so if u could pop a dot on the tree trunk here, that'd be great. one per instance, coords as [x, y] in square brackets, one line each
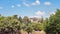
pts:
[19, 31]
[29, 33]
[58, 32]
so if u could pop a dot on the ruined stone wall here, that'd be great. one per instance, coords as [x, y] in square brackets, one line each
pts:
[34, 32]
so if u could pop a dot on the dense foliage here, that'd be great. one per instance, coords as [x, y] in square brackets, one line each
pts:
[53, 24]
[15, 23]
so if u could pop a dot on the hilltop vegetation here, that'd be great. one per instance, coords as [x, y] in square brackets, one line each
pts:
[15, 23]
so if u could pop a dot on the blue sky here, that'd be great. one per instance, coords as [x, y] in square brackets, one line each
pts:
[30, 8]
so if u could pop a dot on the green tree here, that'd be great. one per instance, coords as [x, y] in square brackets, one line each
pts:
[26, 19]
[20, 19]
[41, 21]
[9, 24]
[53, 26]
[37, 27]
[15, 16]
[29, 28]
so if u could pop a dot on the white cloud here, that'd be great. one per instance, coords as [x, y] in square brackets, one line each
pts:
[47, 3]
[26, 4]
[12, 6]
[1, 7]
[37, 2]
[18, 5]
[33, 3]
[39, 13]
[35, 16]
[52, 13]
